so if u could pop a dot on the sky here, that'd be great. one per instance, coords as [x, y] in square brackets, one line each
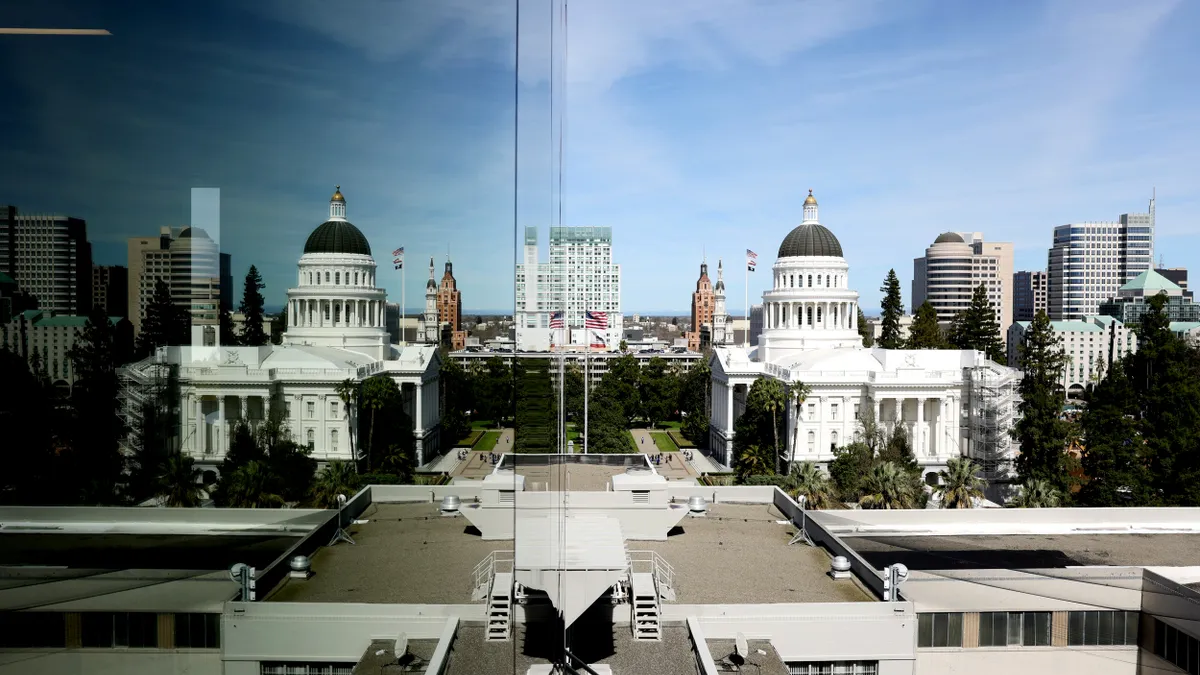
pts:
[693, 129]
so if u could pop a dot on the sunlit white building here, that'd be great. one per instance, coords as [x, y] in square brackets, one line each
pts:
[950, 402]
[336, 331]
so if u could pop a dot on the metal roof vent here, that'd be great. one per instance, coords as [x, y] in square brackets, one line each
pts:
[450, 504]
[697, 506]
[840, 567]
[301, 567]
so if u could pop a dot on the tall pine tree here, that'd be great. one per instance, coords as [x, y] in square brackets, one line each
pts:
[229, 336]
[251, 308]
[165, 322]
[893, 309]
[1116, 459]
[925, 333]
[95, 460]
[864, 329]
[977, 329]
[1041, 430]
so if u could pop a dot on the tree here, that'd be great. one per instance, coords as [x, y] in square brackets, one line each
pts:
[658, 391]
[534, 419]
[180, 482]
[959, 487]
[250, 487]
[494, 390]
[455, 388]
[607, 433]
[266, 458]
[1036, 494]
[768, 395]
[892, 309]
[378, 392]
[850, 465]
[279, 324]
[252, 310]
[977, 329]
[94, 459]
[888, 486]
[925, 333]
[1115, 458]
[1041, 430]
[337, 478]
[573, 392]
[808, 481]
[165, 323]
[347, 391]
[623, 347]
[229, 336]
[754, 460]
[623, 384]
[865, 331]
[29, 419]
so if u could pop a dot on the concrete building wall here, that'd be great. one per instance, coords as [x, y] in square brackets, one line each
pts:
[111, 661]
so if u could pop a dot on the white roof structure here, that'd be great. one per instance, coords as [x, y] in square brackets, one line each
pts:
[573, 558]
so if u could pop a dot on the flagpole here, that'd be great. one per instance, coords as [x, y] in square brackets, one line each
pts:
[746, 333]
[403, 304]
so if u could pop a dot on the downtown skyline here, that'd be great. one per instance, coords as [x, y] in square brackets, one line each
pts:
[689, 132]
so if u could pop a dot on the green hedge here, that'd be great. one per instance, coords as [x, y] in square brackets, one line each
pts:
[471, 439]
[680, 440]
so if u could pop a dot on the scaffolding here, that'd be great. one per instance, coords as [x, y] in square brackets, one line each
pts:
[992, 399]
[143, 384]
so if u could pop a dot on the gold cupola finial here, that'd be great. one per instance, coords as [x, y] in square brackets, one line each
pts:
[337, 194]
[810, 199]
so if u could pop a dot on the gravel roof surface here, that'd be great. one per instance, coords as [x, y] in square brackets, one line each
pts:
[760, 664]
[371, 663]
[934, 552]
[738, 553]
[472, 655]
[407, 553]
[143, 551]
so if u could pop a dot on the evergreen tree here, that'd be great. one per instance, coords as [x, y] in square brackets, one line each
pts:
[94, 461]
[573, 394]
[607, 431]
[252, 310]
[864, 329]
[1116, 459]
[893, 309]
[534, 425]
[279, 324]
[925, 332]
[165, 323]
[29, 418]
[658, 390]
[694, 402]
[229, 336]
[456, 394]
[493, 390]
[1041, 430]
[623, 382]
[976, 328]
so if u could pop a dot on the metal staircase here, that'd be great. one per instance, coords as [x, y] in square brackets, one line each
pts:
[646, 623]
[500, 607]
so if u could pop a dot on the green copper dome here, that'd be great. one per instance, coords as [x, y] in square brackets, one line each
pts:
[810, 240]
[337, 236]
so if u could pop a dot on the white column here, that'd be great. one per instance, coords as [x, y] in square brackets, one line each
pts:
[878, 408]
[223, 439]
[199, 444]
[919, 444]
[420, 420]
[728, 409]
[244, 410]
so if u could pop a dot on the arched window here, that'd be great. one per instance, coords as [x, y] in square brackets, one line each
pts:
[312, 440]
[810, 280]
[310, 277]
[792, 280]
[318, 278]
[808, 319]
[818, 315]
[327, 277]
[333, 446]
[818, 279]
[356, 278]
[833, 440]
[337, 278]
[827, 280]
[337, 313]
[812, 442]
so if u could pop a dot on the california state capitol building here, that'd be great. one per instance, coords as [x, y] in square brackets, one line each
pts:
[335, 331]
[950, 402]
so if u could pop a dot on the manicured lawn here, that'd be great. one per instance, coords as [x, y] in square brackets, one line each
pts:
[669, 425]
[679, 440]
[488, 442]
[470, 440]
[663, 442]
[483, 424]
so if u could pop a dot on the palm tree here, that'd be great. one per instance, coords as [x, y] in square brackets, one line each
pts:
[375, 394]
[346, 391]
[179, 482]
[887, 487]
[814, 485]
[1036, 494]
[338, 478]
[960, 488]
[249, 487]
[774, 401]
[753, 462]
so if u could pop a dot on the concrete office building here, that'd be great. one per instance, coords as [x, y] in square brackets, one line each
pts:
[1091, 346]
[580, 277]
[1090, 261]
[509, 570]
[954, 266]
[1178, 276]
[1029, 295]
[1131, 301]
[50, 258]
[190, 263]
[53, 336]
[110, 286]
[942, 398]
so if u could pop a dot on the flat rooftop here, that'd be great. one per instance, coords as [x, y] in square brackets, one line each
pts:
[410, 554]
[762, 659]
[1026, 551]
[593, 638]
[568, 472]
[142, 551]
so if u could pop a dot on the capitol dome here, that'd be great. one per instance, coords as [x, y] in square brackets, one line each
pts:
[337, 235]
[810, 238]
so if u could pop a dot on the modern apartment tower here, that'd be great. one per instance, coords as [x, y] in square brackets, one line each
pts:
[1090, 261]
[50, 258]
[954, 265]
[1029, 294]
[580, 277]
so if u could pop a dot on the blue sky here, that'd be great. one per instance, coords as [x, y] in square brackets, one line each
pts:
[690, 128]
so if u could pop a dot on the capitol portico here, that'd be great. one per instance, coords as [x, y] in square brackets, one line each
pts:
[335, 332]
[950, 402]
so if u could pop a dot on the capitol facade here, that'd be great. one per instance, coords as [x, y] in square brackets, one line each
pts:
[335, 332]
[950, 402]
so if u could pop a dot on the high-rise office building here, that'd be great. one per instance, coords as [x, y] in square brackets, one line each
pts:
[954, 265]
[580, 278]
[110, 284]
[188, 260]
[1178, 276]
[1029, 294]
[1090, 261]
[703, 304]
[50, 258]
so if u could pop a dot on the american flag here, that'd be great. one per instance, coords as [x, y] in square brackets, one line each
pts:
[556, 320]
[398, 252]
[751, 260]
[597, 339]
[595, 320]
